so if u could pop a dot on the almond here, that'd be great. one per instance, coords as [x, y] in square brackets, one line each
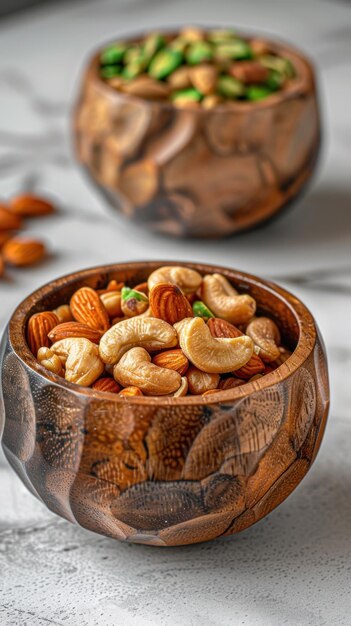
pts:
[8, 221]
[230, 383]
[39, 326]
[22, 252]
[131, 391]
[5, 235]
[86, 307]
[106, 384]
[250, 72]
[143, 287]
[221, 328]
[172, 359]
[74, 329]
[168, 303]
[28, 205]
[113, 285]
[254, 366]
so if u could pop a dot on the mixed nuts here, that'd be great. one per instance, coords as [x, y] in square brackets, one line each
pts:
[195, 68]
[179, 333]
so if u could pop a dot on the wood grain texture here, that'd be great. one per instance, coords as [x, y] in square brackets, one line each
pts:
[202, 173]
[165, 471]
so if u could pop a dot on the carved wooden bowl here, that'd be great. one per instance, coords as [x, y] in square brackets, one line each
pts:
[164, 471]
[202, 173]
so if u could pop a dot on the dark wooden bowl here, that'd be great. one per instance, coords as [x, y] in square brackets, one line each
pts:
[201, 173]
[164, 471]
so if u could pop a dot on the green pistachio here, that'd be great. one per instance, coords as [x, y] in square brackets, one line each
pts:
[164, 63]
[201, 310]
[198, 52]
[237, 49]
[275, 80]
[128, 293]
[186, 95]
[133, 302]
[179, 43]
[257, 92]
[279, 64]
[133, 69]
[110, 71]
[230, 87]
[113, 54]
[153, 43]
[131, 54]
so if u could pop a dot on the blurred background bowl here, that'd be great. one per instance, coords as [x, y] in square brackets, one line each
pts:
[199, 173]
[164, 471]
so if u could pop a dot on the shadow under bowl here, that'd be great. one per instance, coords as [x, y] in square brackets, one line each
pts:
[199, 173]
[164, 471]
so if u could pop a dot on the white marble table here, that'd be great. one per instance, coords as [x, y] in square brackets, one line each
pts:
[294, 567]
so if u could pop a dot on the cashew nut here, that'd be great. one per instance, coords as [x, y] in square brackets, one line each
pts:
[147, 332]
[81, 357]
[266, 336]
[135, 368]
[199, 382]
[186, 279]
[209, 354]
[112, 302]
[219, 295]
[183, 389]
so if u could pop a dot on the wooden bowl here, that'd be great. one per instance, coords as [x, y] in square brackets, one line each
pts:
[164, 471]
[200, 173]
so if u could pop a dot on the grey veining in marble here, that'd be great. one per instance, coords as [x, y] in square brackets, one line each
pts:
[294, 567]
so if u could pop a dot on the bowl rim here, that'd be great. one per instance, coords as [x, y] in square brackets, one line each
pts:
[296, 88]
[16, 329]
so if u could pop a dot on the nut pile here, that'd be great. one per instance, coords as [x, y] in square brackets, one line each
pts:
[195, 68]
[178, 333]
[19, 251]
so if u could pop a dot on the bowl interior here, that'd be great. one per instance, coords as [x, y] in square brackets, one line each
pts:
[294, 320]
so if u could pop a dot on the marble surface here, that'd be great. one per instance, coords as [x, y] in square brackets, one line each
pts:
[294, 567]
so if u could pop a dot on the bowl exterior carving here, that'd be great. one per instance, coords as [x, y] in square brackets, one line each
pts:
[160, 472]
[200, 173]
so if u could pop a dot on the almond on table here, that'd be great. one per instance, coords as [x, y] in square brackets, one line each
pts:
[28, 205]
[8, 220]
[5, 235]
[163, 345]
[23, 251]
[19, 251]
